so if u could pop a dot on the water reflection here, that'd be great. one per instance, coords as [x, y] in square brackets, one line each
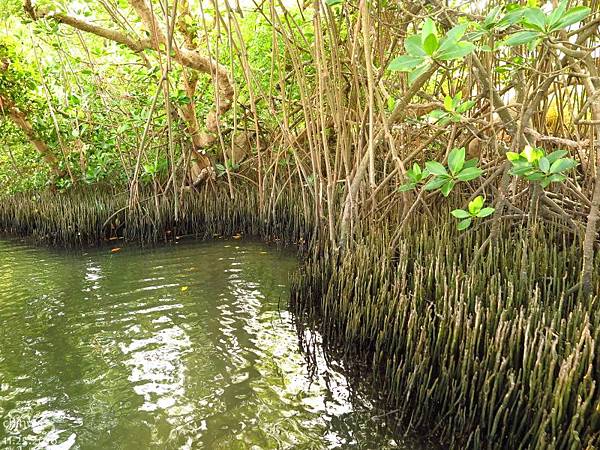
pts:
[178, 347]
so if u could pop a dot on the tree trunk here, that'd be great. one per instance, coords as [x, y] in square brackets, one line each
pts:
[20, 120]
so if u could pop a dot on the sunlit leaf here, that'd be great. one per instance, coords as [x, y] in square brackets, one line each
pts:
[475, 205]
[430, 44]
[460, 50]
[456, 160]
[460, 213]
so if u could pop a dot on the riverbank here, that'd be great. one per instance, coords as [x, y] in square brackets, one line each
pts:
[493, 354]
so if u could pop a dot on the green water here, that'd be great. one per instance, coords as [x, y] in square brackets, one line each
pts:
[184, 346]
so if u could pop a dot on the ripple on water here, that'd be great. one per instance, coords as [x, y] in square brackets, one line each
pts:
[177, 347]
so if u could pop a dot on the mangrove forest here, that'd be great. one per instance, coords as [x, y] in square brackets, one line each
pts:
[294, 224]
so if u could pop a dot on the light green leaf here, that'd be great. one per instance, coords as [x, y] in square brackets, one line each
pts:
[556, 155]
[544, 164]
[407, 187]
[460, 50]
[535, 176]
[464, 224]
[522, 37]
[562, 164]
[428, 28]
[510, 18]
[431, 44]
[457, 32]
[446, 188]
[456, 160]
[405, 63]
[464, 107]
[557, 177]
[416, 169]
[416, 74]
[485, 212]
[460, 213]
[470, 163]
[492, 17]
[532, 154]
[436, 168]
[469, 173]
[556, 14]
[475, 205]
[436, 183]
[448, 104]
[572, 16]
[413, 46]
[534, 18]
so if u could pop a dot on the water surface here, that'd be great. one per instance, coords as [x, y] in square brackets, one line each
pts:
[184, 346]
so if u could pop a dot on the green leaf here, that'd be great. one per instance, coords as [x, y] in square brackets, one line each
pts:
[437, 114]
[416, 169]
[562, 164]
[428, 28]
[572, 16]
[464, 224]
[532, 154]
[436, 168]
[475, 205]
[460, 213]
[416, 74]
[485, 212]
[491, 17]
[448, 104]
[405, 63]
[456, 160]
[431, 44]
[446, 188]
[453, 37]
[436, 183]
[414, 46]
[556, 14]
[544, 164]
[333, 2]
[469, 173]
[534, 18]
[535, 176]
[522, 37]
[464, 107]
[510, 18]
[460, 50]
[557, 177]
[521, 170]
[457, 32]
[470, 163]
[407, 187]
[556, 155]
